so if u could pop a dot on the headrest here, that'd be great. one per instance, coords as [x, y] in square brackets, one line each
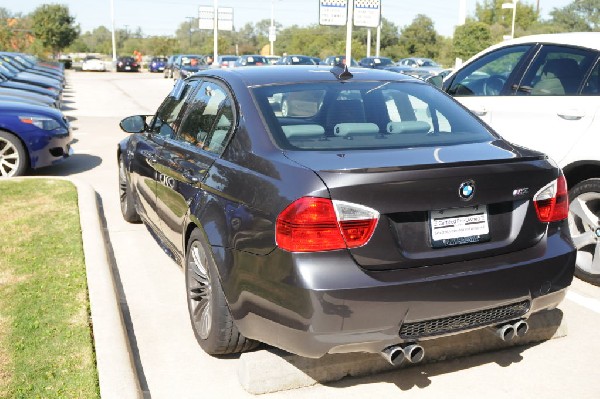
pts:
[355, 129]
[408, 127]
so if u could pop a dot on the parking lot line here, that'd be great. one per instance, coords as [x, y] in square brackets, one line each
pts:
[586, 302]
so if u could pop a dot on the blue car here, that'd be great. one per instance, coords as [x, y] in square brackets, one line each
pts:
[157, 64]
[31, 137]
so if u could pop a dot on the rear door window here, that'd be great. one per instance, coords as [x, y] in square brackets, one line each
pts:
[210, 120]
[557, 71]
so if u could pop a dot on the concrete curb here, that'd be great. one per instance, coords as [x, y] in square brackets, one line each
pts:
[116, 369]
[265, 371]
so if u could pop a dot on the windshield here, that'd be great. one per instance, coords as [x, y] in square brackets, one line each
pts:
[363, 115]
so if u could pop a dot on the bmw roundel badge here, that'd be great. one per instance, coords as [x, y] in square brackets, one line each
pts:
[466, 190]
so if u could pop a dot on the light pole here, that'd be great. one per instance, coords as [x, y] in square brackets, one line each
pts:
[512, 5]
[114, 43]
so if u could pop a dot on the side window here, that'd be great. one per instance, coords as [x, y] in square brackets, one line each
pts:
[167, 118]
[592, 85]
[210, 120]
[556, 71]
[488, 75]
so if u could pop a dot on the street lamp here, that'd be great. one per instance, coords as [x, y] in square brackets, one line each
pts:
[512, 5]
[272, 31]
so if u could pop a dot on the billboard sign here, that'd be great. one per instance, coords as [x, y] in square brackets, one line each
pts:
[333, 12]
[367, 13]
[206, 17]
[225, 16]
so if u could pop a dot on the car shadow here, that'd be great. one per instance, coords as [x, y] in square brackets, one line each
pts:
[75, 164]
[443, 355]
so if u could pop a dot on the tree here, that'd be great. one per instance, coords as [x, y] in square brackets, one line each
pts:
[471, 38]
[54, 26]
[420, 38]
[490, 12]
[579, 16]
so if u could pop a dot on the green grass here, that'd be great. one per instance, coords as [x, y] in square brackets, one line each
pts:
[46, 345]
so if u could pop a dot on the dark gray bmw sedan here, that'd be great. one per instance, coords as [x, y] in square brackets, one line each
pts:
[370, 214]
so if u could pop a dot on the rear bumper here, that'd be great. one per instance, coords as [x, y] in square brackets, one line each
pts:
[313, 304]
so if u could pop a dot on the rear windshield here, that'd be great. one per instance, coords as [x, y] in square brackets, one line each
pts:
[363, 115]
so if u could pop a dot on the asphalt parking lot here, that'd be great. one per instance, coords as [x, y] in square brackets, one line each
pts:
[169, 362]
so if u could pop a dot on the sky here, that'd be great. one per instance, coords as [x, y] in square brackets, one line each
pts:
[163, 17]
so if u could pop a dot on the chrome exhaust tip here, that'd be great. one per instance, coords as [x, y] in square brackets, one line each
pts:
[506, 332]
[394, 355]
[414, 353]
[521, 328]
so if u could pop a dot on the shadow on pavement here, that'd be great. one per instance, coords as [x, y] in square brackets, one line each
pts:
[75, 164]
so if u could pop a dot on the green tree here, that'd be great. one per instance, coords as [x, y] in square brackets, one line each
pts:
[419, 38]
[579, 16]
[471, 38]
[490, 12]
[54, 26]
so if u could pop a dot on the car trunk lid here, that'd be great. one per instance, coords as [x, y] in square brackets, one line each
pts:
[417, 191]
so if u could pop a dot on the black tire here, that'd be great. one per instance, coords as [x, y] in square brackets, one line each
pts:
[211, 319]
[13, 157]
[584, 228]
[126, 196]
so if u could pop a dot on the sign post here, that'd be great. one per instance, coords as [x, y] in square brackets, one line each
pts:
[215, 19]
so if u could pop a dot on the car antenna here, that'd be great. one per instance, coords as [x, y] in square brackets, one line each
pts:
[340, 71]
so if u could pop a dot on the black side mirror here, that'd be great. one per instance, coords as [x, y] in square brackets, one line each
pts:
[133, 124]
[436, 81]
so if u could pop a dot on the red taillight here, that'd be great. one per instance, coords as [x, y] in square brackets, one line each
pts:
[552, 201]
[319, 224]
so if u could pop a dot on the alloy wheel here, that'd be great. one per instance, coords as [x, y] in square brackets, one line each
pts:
[584, 225]
[9, 158]
[199, 290]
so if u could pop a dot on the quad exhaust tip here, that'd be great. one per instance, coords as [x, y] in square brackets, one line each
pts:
[396, 354]
[507, 332]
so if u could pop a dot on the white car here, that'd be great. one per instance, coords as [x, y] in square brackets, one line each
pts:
[543, 92]
[93, 64]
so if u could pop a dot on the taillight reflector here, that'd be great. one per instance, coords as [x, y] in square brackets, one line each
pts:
[552, 201]
[312, 224]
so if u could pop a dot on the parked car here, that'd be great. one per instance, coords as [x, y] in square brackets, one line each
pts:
[16, 75]
[66, 61]
[387, 216]
[24, 63]
[338, 59]
[296, 60]
[92, 63]
[272, 59]
[32, 96]
[543, 92]
[31, 137]
[50, 92]
[168, 72]
[225, 61]
[375, 62]
[423, 65]
[250, 60]
[187, 64]
[127, 64]
[157, 64]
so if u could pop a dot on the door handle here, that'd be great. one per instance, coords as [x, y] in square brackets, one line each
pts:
[190, 177]
[571, 114]
[479, 111]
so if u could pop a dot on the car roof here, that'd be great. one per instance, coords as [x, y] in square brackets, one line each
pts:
[590, 40]
[300, 74]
